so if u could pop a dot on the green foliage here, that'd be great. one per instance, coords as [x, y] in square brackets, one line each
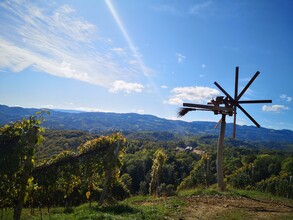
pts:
[247, 159]
[242, 177]
[68, 177]
[57, 141]
[156, 173]
[262, 167]
[143, 188]
[18, 146]
[281, 185]
[287, 165]
[166, 190]
[199, 176]
[127, 180]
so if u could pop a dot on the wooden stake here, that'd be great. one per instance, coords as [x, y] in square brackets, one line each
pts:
[220, 150]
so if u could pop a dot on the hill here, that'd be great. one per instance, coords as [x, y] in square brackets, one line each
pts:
[98, 122]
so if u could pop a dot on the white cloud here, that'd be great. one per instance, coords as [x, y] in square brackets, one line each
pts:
[195, 94]
[241, 121]
[198, 8]
[122, 86]
[133, 62]
[55, 40]
[65, 107]
[164, 87]
[89, 109]
[286, 98]
[274, 108]
[167, 9]
[180, 57]
[118, 50]
[139, 111]
[203, 66]
[49, 106]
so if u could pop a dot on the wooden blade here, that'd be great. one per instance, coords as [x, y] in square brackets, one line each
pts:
[234, 125]
[248, 115]
[236, 83]
[254, 101]
[248, 84]
[223, 90]
[198, 106]
[219, 122]
[235, 98]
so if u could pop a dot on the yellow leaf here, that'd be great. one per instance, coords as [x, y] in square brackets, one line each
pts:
[88, 194]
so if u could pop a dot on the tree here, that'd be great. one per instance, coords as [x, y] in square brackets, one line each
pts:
[156, 172]
[287, 165]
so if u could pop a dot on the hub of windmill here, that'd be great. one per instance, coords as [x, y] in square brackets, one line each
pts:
[218, 109]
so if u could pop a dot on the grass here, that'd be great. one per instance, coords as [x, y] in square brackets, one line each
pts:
[235, 215]
[148, 207]
[137, 207]
[255, 195]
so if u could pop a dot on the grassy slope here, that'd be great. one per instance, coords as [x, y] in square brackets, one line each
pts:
[189, 204]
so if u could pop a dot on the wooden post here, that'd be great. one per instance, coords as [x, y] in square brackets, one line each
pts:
[220, 149]
[235, 99]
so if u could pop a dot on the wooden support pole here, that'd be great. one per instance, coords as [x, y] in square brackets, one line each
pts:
[220, 151]
[235, 99]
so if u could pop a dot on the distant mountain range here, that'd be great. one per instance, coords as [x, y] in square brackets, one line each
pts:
[130, 122]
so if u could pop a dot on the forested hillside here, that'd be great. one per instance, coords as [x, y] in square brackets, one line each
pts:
[99, 122]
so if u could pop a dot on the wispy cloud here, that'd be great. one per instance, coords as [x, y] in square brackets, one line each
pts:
[138, 111]
[274, 108]
[69, 106]
[196, 94]
[286, 98]
[177, 9]
[180, 57]
[143, 68]
[118, 50]
[202, 9]
[122, 86]
[170, 9]
[55, 40]
[89, 109]
[164, 87]
[198, 8]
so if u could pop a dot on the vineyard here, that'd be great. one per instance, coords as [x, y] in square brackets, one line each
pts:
[100, 171]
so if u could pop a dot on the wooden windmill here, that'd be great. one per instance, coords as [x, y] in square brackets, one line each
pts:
[225, 106]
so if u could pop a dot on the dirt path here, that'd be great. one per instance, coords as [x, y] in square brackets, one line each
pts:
[229, 207]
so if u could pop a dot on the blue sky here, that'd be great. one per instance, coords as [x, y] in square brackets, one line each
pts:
[147, 56]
